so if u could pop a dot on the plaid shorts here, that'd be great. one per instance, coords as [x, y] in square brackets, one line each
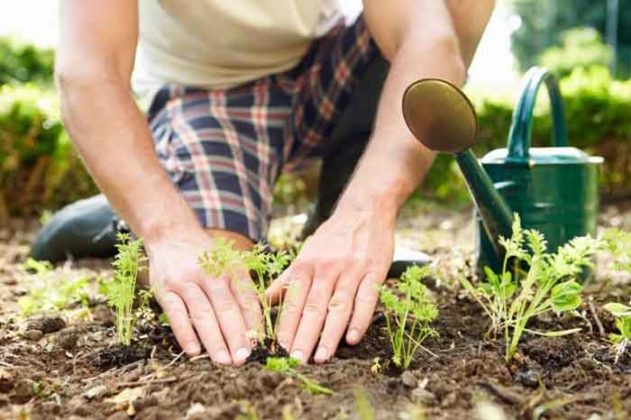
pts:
[224, 149]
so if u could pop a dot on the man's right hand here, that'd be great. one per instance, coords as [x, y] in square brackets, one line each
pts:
[224, 311]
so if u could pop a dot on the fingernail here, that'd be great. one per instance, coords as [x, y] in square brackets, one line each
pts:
[353, 336]
[241, 354]
[321, 355]
[222, 357]
[297, 354]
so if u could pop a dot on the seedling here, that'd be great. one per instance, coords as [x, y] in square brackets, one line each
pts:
[622, 339]
[120, 291]
[49, 292]
[618, 242]
[225, 259]
[287, 366]
[409, 311]
[548, 283]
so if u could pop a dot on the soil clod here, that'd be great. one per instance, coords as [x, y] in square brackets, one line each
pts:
[47, 324]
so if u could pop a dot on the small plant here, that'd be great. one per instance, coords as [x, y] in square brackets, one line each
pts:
[618, 243]
[409, 311]
[224, 259]
[287, 366]
[49, 292]
[121, 290]
[549, 283]
[622, 339]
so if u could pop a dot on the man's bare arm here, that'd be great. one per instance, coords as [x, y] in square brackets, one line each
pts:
[93, 71]
[94, 65]
[337, 273]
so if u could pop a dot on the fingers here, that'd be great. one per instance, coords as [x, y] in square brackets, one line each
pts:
[231, 321]
[339, 312]
[365, 303]
[245, 295]
[313, 315]
[274, 292]
[205, 322]
[295, 297]
[177, 314]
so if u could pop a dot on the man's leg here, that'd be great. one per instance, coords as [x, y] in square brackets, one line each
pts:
[347, 142]
[84, 229]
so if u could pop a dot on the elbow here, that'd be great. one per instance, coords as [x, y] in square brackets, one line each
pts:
[444, 48]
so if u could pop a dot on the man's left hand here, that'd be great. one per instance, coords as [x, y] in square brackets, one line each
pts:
[334, 283]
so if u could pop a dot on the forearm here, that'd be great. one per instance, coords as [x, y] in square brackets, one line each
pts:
[395, 162]
[113, 138]
[421, 39]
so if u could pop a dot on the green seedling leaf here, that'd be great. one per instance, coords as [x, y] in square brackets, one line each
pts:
[618, 310]
[532, 282]
[120, 290]
[409, 310]
[287, 366]
[566, 296]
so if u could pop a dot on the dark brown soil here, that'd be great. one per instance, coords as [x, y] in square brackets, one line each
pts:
[75, 370]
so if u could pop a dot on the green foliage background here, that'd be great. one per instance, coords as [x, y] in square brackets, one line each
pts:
[543, 21]
[598, 111]
[39, 169]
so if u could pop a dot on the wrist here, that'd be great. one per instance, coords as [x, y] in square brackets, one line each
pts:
[155, 232]
[355, 202]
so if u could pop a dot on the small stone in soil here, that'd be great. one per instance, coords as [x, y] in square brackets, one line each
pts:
[7, 380]
[408, 379]
[47, 324]
[23, 390]
[67, 340]
[528, 378]
[33, 335]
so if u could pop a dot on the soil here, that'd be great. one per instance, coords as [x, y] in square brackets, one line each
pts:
[67, 366]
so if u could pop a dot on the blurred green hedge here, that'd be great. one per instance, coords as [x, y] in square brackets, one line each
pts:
[22, 62]
[598, 112]
[38, 167]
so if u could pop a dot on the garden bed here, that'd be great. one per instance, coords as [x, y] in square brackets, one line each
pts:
[58, 368]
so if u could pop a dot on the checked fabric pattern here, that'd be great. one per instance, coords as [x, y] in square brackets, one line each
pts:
[224, 149]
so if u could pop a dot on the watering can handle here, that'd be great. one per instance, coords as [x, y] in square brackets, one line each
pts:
[521, 126]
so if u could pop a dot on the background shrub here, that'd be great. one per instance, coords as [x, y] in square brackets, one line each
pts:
[21, 63]
[598, 111]
[38, 167]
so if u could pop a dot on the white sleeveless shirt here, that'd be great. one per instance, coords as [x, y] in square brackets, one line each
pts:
[222, 43]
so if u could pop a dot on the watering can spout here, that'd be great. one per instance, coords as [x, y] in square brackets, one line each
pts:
[443, 119]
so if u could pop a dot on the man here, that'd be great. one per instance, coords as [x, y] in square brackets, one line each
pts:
[238, 91]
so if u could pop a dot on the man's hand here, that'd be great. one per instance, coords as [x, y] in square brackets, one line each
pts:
[335, 279]
[222, 310]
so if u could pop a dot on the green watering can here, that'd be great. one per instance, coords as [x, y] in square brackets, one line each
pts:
[553, 189]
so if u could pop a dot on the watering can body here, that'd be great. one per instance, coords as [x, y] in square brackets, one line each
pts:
[553, 189]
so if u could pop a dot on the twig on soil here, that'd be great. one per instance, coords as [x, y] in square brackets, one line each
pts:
[8, 365]
[147, 382]
[502, 393]
[172, 362]
[201, 356]
[599, 324]
[428, 351]
[113, 370]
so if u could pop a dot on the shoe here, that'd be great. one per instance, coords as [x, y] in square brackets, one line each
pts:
[85, 229]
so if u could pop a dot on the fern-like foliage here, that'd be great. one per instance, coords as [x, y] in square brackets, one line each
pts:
[120, 291]
[409, 311]
[532, 282]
